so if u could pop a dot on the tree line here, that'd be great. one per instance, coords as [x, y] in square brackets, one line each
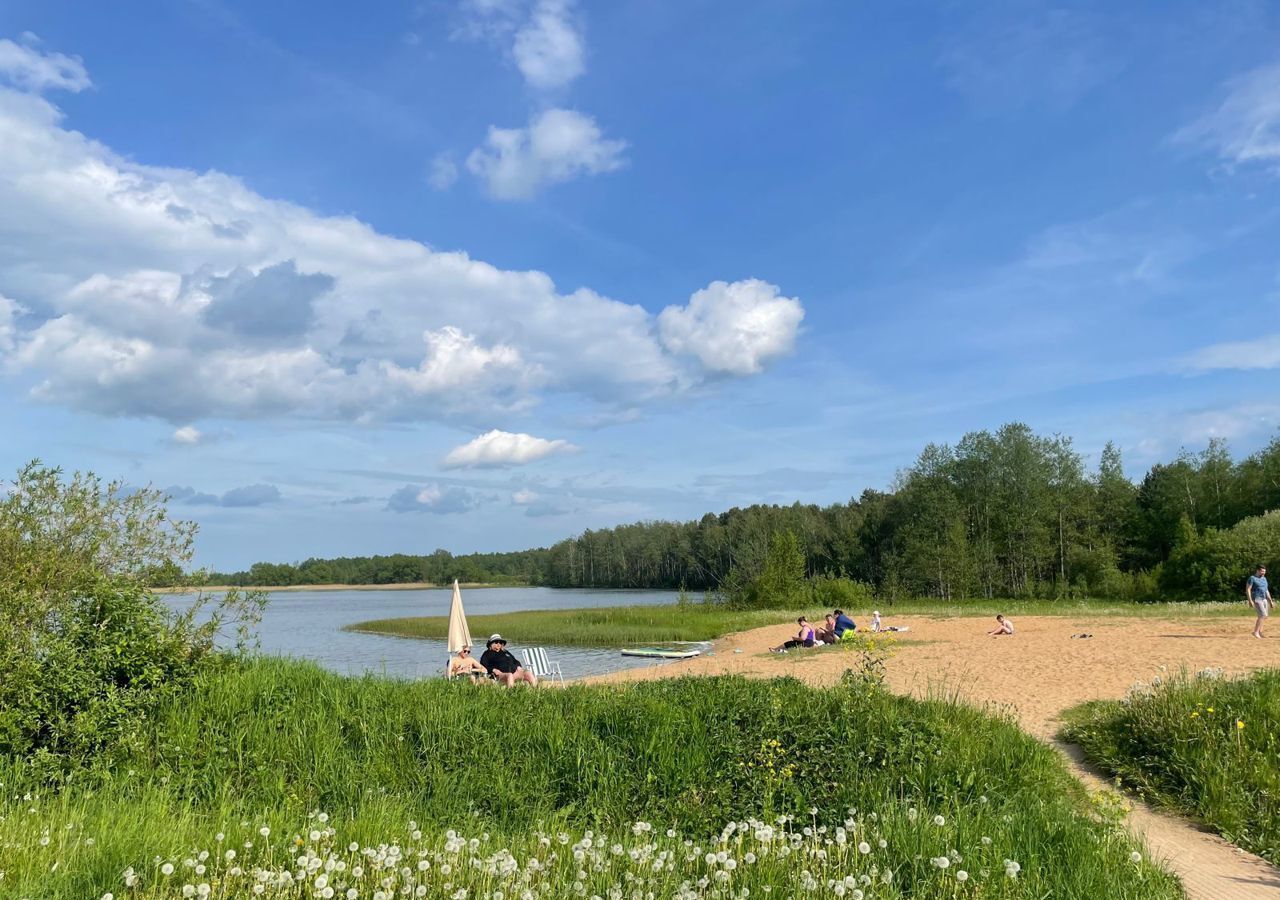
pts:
[1000, 514]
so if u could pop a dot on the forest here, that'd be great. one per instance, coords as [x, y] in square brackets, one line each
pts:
[1005, 514]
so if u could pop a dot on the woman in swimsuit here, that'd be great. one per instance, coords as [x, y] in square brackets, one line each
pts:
[804, 637]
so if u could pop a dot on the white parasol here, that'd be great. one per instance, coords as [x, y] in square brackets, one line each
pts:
[459, 634]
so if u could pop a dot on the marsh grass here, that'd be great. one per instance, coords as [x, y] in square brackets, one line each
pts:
[621, 626]
[273, 742]
[1204, 746]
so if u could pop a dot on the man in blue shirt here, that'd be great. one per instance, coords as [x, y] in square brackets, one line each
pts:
[1258, 594]
[843, 624]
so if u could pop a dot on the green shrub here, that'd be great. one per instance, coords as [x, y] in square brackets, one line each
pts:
[834, 592]
[1204, 746]
[1214, 565]
[85, 650]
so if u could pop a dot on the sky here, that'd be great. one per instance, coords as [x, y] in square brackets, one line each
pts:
[480, 274]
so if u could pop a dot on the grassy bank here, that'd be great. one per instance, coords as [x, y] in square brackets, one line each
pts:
[360, 782]
[621, 626]
[1204, 746]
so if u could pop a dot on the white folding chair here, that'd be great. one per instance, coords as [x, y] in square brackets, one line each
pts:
[536, 659]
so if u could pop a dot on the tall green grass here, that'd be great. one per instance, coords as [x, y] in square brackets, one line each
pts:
[276, 741]
[1206, 747]
[620, 626]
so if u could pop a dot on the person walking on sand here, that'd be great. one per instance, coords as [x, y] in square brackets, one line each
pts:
[502, 666]
[1005, 626]
[1258, 595]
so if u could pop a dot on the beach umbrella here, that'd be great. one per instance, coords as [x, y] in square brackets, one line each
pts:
[459, 634]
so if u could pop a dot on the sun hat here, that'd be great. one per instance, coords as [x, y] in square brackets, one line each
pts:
[495, 639]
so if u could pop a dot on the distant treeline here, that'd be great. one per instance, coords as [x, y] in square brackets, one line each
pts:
[1004, 514]
[440, 567]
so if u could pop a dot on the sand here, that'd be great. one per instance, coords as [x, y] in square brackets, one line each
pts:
[1035, 675]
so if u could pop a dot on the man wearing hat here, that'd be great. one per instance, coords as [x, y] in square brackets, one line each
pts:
[502, 666]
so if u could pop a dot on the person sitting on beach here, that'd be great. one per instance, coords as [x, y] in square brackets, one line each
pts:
[464, 665]
[804, 637]
[502, 666]
[1005, 627]
[875, 621]
[828, 633]
[843, 623]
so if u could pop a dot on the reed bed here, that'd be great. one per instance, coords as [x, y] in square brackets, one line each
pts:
[1204, 746]
[621, 626]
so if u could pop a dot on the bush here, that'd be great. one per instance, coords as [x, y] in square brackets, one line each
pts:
[85, 649]
[1204, 746]
[1214, 565]
[834, 592]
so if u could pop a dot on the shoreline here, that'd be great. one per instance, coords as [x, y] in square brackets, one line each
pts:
[292, 588]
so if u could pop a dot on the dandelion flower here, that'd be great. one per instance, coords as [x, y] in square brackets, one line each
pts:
[939, 821]
[1239, 724]
[1135, 857]
[962, 876]
[864, 848]
[264, 831]
[166, 869]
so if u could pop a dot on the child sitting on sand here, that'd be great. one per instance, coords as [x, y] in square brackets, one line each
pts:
[1005, 627]
[875, 621]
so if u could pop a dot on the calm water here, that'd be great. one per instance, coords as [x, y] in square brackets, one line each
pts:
[308, 625]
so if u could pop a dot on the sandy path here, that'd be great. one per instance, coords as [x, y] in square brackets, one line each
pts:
[1036, 675]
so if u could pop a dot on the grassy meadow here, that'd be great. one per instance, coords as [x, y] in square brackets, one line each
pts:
[1204, 746]
[276, 778]
[622, 626]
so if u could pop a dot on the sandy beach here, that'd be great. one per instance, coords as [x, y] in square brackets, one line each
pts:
[1034, 674]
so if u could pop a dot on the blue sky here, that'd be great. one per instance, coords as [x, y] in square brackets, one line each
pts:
[479, 274]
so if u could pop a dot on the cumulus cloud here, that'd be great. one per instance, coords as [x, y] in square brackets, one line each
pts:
[188, 435]
[735, 328]
[29, 69]
[1258, 353]
[524, 497]
[183, 296]
[502, 448]
[1245, 127]
[548, 48]
[557, 146]
[432, 498]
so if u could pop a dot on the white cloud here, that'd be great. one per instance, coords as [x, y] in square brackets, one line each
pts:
[31, 70]
[443, 172]
[1258, 353]
[524, 497]
[432, 498]
[503, 448]
[548, 49]
[1245, 128]
[182, 295]
[557, 146]
[187, 434]
[733, 328]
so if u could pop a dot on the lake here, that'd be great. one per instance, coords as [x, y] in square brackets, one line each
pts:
[308, 625]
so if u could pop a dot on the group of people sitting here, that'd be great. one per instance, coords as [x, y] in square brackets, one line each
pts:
[496, 663]
[833, 629]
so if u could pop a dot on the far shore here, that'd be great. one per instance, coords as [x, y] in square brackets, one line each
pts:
[285, 588]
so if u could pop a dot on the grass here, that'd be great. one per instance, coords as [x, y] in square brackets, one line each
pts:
[621, 626]
[1203, 746]
[596, 783]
